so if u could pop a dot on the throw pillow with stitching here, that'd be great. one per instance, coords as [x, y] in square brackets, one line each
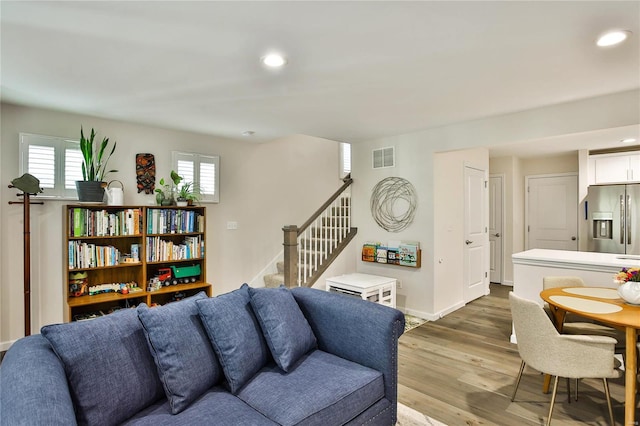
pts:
[286, 330]
[235, 335]
[181, 350]
[110, 370]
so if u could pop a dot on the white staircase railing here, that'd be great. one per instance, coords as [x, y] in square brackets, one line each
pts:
[310, 248]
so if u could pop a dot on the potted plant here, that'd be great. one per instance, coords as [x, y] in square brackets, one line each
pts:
[94, 167]
[165, 194]
[187, 194]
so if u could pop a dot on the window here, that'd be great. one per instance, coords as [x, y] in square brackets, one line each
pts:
[202, 170]
[345, 159]
[56, 162]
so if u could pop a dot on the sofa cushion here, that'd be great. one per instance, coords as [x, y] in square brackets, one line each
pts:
[235, 335]
[322, 389]
[215, 407]
[285, 328]
[110, 370]
[181, 349]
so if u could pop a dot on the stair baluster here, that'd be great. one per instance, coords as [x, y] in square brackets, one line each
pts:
[310, 248]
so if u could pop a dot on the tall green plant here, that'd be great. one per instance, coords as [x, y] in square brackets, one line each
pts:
[93, 166]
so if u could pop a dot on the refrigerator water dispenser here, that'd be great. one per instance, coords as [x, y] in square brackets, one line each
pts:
[602, 225]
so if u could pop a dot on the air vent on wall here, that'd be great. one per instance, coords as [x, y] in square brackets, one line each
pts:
[384, 157]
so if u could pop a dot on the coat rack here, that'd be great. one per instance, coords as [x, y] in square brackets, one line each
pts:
[26, 202]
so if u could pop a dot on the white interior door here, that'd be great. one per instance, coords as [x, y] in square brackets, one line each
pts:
[476, 243]
[552, 212]
[496, 209]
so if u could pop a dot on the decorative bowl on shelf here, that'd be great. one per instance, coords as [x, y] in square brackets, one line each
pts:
[630, 292]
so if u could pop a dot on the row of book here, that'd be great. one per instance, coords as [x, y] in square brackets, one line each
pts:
[174, 221]
[86, 255]
[159, 250]
[394, 253]
[103, 223]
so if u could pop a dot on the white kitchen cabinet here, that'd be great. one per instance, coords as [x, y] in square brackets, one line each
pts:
[614, 168]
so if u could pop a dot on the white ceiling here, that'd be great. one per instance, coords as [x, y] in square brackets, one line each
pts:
[356, 71]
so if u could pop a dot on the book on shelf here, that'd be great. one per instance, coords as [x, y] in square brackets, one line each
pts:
[85, 222]
[369, 251]
[174, 221]
[89, 255]
[160, 250]
[408, 253]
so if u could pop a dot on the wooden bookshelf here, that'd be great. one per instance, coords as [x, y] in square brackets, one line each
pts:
[99, 249]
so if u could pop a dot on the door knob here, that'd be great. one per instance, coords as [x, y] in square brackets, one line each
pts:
[468, 242]
[497, 234]
[573, 238]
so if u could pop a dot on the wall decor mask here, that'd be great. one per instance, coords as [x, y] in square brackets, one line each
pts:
[393, 203]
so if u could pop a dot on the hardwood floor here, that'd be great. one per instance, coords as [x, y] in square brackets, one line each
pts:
[461, 370]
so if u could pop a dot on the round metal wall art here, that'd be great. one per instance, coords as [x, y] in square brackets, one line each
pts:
[393, 203]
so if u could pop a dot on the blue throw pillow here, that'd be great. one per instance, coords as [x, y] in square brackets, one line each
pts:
[235, 335]
[181, 349]
[110, 370]
[283, 324]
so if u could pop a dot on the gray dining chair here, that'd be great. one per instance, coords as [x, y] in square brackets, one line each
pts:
[575, 324]
[561, 355]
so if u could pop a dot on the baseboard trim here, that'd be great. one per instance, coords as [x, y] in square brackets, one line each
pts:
[4, 346]
[419, 314]
[450, 309]
[432, 316]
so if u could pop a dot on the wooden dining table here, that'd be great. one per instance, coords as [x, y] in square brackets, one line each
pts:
[603, 305]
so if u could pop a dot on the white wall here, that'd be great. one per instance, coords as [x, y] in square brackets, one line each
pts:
[413, 162]
[416, 152]
[566, 163]
[515, 170]
[262, 187]
[449, 206]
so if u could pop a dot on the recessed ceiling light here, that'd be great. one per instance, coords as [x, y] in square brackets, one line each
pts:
[274, 60]
[612, 38]
[248, 133]
[628, 140]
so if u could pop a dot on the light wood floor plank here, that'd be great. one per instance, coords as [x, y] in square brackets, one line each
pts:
[461, 370]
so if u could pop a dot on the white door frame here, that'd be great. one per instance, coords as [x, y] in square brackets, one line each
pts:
[502, 177]
[526, 199]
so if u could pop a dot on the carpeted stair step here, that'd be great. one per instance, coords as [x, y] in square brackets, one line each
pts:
[273, 280]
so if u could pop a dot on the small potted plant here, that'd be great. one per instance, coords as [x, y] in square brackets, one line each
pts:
[165, 195]
[187, 194]
[94, 167]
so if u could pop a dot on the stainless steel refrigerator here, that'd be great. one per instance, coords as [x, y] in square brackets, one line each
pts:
[613, 212]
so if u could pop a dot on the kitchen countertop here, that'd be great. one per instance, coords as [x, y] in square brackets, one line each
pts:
[577, 259]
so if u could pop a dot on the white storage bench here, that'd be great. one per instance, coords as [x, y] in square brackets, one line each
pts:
[373, 288]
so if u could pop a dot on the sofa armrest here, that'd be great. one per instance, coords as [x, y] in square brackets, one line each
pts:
[363, 332]
[33, 386]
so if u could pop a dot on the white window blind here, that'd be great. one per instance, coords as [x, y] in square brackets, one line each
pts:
[202, 170]
[345, 159]
[42, 164]
[56, 162]
[72, 167]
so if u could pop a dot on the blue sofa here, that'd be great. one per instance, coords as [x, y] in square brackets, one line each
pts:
[248, 357]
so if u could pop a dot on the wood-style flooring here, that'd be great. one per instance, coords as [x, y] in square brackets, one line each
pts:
[461, 370]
